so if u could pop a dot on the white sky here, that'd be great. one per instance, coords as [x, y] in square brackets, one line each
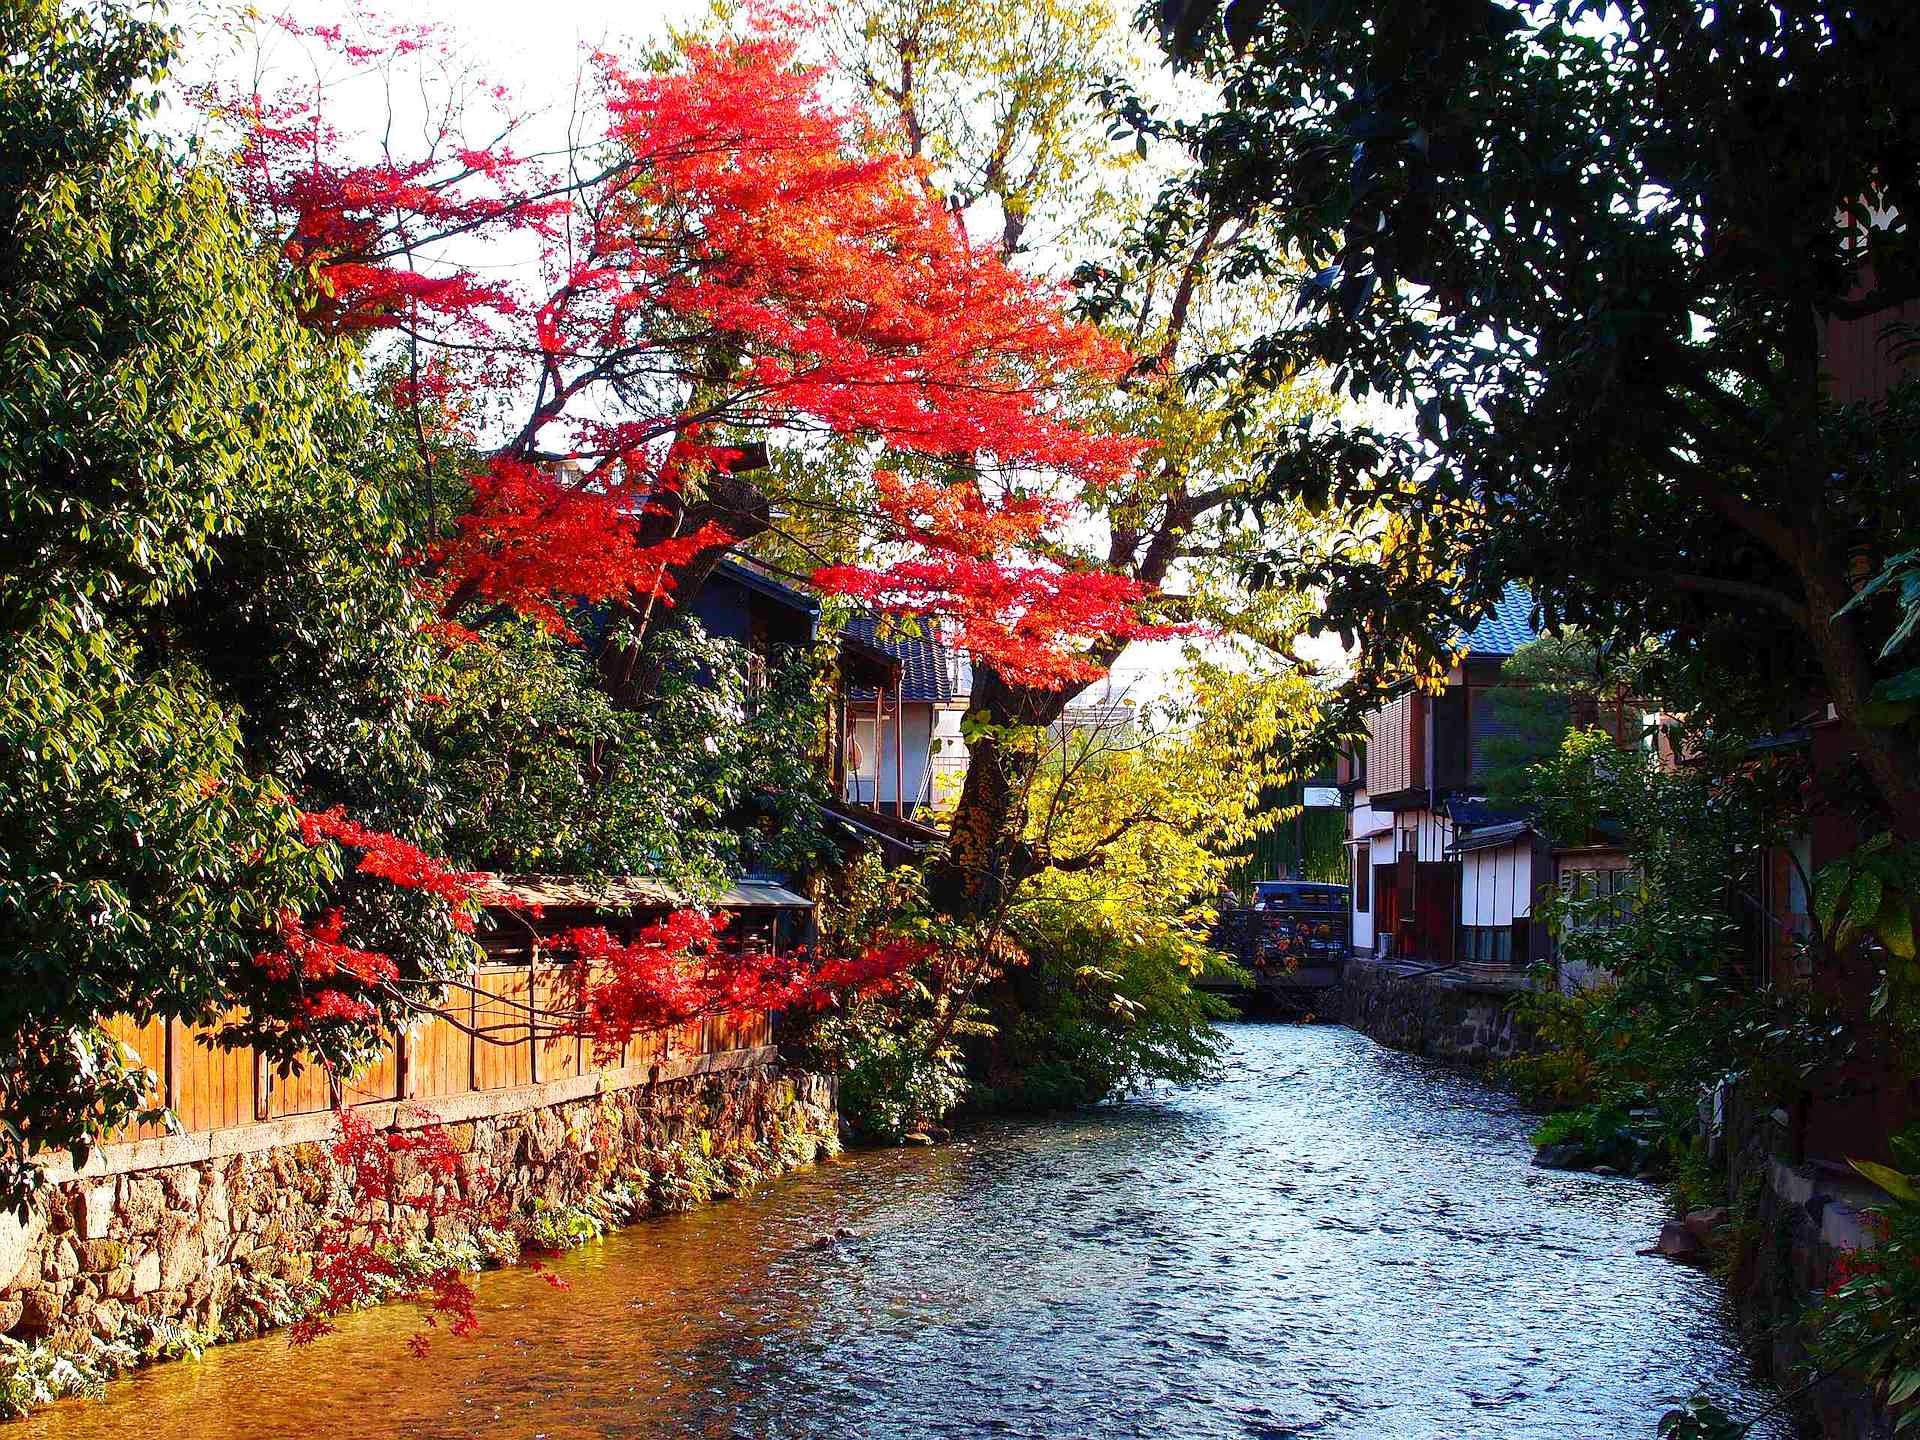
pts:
[532, 47]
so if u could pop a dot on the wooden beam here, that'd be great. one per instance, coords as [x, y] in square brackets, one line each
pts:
[899, 746]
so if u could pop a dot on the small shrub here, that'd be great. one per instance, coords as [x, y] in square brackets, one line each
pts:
[1092, 1016]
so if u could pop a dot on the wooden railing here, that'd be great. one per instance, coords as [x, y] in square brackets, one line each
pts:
[210, 1088]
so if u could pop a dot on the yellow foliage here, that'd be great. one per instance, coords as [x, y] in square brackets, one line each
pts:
[1141, 821]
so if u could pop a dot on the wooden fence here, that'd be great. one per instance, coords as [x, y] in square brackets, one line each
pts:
[210, 1088]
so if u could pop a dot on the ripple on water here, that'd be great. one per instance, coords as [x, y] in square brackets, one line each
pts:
[1336, 1241]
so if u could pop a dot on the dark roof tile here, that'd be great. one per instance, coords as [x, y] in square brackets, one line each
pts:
[928, 668]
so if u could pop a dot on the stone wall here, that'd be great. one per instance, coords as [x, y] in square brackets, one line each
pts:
[1441, 1014]
[209, 1232]
[1793, 1222]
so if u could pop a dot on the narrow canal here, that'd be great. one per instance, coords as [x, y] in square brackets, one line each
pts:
[1337, 1241]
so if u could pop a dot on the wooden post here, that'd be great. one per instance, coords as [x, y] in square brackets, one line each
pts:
[837, 764]
[262, 1087]
[879, 736]
[474, 1042]
[533, 1002]
[170, 1071]
[899, 743]
[403, 1064]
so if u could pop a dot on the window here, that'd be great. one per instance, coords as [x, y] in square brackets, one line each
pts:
[1799, 867]
[1605, 897]
[864, 740]
[1362, 876]
[1487, 944]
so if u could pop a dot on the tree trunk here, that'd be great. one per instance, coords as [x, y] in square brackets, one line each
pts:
[987, 854]
[631, 672]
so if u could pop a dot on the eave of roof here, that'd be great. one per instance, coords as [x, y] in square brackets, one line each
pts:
[926, 666]
[1492, 837]
[756, 579]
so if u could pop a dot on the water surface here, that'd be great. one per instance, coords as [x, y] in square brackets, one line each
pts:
[1338, 1241]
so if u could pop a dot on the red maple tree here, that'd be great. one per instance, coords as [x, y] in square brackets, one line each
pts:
[749, 259]
[733, 260]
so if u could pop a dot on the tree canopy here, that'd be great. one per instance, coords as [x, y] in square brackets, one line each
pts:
[1601, 255]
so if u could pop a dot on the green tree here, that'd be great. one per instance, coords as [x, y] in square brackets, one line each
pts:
[1596, 255]
[211, 624]
[1137, 823]
[152, 388]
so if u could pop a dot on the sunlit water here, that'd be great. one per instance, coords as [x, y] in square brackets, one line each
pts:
[1337, 1241]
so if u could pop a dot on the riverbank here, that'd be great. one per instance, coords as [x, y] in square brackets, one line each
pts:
[157, 1249]
[1451, 1015]
[1337, 1239]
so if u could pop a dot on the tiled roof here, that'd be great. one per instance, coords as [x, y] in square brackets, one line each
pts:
[1470, 814]
[1506, 628]
[927, 667]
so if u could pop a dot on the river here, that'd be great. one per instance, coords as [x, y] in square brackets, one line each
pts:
[1335, 1241]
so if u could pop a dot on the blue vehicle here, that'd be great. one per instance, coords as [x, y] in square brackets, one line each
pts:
[1296, 923]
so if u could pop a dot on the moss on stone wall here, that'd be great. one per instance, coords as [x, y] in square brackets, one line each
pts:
[112, 1272]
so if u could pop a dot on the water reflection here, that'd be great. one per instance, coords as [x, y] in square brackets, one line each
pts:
[1339, 1241]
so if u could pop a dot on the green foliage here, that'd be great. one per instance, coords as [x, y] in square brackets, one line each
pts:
[1142, 823]
[1593, 1125]
[1093, 1015]
[716, 777]
[1873, 893]
[1549, 686]
[39, 1374]
[208, 622]
[1671, 1014]
[1583, 266]
[1701, 1419]
[898, 1053]
[1895, 699]
[156, 401]
[1698, 1183]
[1868, 1323]
[898, 1079]
[1307, 842]
[1562, 1070]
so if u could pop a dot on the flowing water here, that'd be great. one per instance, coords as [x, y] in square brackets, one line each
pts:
[1336, 1241]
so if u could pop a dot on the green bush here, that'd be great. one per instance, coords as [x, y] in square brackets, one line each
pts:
[1092, 1016]
[896, 1080]
[1593, 1126]
[1564, 1069]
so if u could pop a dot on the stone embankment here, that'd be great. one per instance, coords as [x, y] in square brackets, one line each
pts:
[1444, 1014]
[209, 1233]
[1792, 1223]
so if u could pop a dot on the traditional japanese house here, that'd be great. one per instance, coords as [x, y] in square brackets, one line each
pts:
[748, 604]
[899, 720]
[518, 986]
[1438, 877]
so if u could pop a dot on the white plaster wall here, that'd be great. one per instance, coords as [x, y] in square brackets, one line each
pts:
[1496, 886]
[1360, 819]
[916, 735]
[948, 760]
